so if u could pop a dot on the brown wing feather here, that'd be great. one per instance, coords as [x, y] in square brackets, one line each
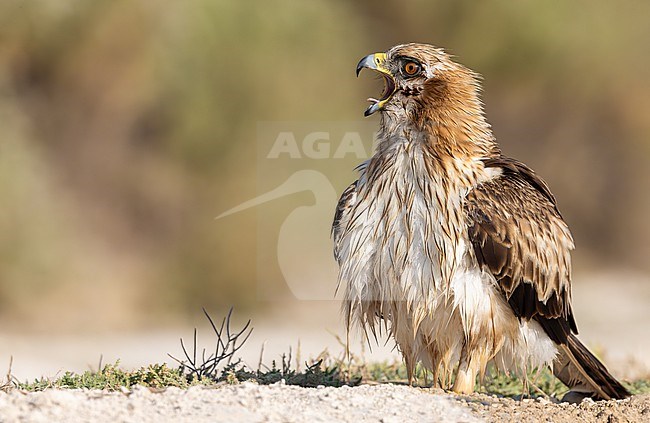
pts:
[518, 233]
[346, 202]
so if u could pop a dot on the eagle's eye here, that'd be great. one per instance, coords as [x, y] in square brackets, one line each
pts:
[411, 68]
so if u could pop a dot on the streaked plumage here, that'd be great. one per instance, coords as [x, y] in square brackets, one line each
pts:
[459, 251]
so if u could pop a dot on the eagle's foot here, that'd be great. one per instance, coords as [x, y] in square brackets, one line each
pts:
[575, 397]
[465, 379]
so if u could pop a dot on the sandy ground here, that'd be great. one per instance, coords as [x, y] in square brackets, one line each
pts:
[249, 402]
[242, 403]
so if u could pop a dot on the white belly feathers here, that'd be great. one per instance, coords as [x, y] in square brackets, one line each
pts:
[406, 264]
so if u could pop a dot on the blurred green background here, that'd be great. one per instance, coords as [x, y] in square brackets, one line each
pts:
[127, 126]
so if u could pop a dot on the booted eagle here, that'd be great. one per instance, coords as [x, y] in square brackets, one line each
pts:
[457, 250]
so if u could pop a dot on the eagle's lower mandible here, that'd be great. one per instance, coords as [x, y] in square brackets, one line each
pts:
[458, 250]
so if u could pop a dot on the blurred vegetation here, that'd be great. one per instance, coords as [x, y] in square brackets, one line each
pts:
[128, 125]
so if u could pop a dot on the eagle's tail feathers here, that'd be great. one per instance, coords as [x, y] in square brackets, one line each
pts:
[581, 371]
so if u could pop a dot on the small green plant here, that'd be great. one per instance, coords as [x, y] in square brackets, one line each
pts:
[111, 377]
[540, 383]
[639, 386]
[227, 343]
[219, 366]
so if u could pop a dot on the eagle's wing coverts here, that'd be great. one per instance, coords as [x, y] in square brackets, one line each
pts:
[519, 236]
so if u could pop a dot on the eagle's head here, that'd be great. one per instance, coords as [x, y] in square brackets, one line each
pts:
[419, 77]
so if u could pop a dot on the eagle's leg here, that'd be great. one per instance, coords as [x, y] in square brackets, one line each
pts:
[409, 361]
[466, 374]
[431, 362]
[435, 377]
[434, 358]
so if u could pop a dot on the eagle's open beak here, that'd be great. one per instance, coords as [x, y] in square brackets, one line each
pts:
[377, 63]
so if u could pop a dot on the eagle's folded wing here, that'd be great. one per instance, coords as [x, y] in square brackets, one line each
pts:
[519, 236]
